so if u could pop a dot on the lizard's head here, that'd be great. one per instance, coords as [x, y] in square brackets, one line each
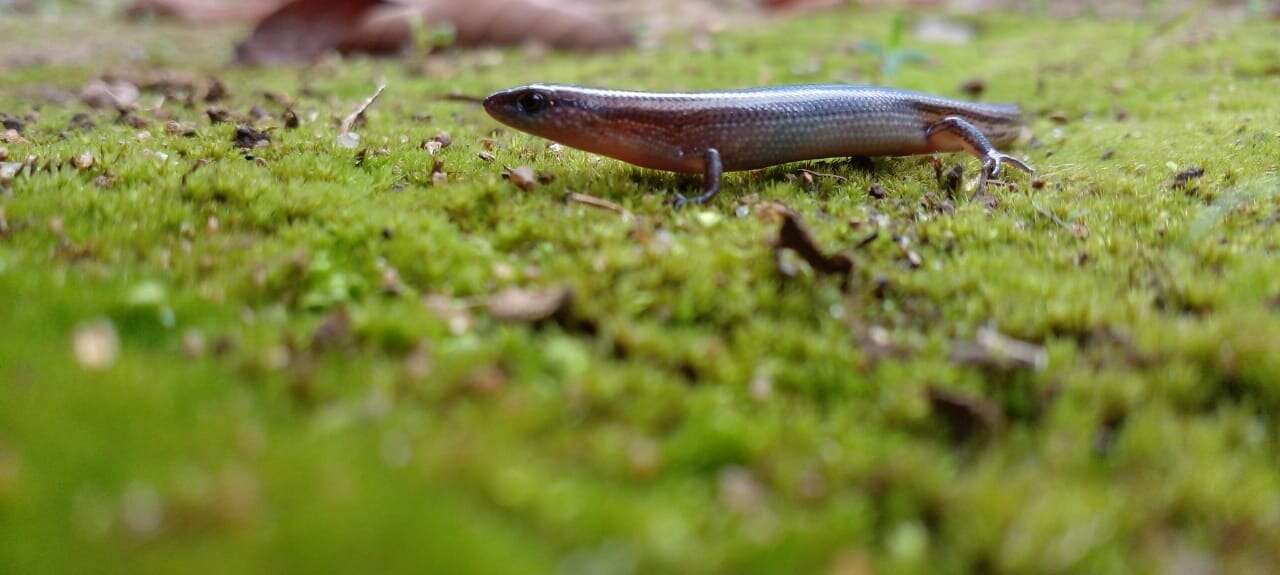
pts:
[606, 122]
[552, 112]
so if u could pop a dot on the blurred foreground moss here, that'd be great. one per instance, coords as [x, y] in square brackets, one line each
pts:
[227, 360]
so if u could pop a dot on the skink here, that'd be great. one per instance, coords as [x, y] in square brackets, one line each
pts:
[710, 133]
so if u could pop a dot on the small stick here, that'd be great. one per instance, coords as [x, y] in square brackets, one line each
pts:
[822, 175]
[350, 121]
[598, 203]
[1050, 215]
[459, 98]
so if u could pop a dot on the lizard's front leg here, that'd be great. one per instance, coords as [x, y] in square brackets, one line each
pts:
[712, 170]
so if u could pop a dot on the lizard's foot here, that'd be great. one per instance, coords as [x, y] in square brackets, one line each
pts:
[711, 181]
[680, 200]
[991, 166]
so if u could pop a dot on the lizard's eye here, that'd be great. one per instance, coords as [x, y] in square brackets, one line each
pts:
[531, 103]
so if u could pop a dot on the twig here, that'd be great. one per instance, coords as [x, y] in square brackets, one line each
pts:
[873, 236]
[459, 98]
[597, 203]
[350, 120]
[822, 175]
[1050, 215]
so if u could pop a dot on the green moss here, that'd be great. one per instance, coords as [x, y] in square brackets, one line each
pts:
[719, 417]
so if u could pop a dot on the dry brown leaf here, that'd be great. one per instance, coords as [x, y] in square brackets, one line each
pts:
[561, 24]
[302, 30]
[305, 29]
[386, 30]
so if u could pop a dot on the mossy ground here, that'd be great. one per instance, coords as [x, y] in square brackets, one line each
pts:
[721, 417]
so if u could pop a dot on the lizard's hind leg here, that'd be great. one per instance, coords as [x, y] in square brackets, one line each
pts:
[954, 133]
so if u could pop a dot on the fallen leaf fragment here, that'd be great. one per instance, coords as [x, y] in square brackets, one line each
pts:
[179, 129]
[523, 177]
[521, 305]
[1184, 178]
[793, 236]
[117, 95]
[248, 138]
[991, 348]
[218, 115]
